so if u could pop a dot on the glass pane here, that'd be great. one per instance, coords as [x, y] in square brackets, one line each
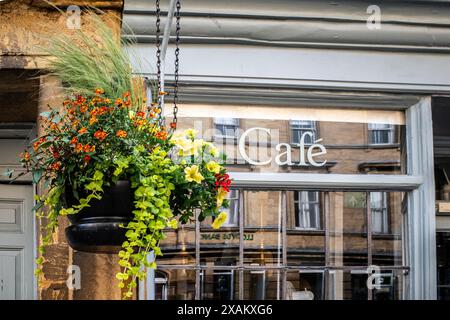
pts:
[305, 246]
[334, 140]
[262, 226]
[179, 246]
[221, 247]
[305, 285]
[179, 284]
[262, 284]
[219, 284]
[348, 229]
[443, 265]
[387, 228]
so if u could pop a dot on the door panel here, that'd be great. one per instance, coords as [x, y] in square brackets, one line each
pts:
[16, 242]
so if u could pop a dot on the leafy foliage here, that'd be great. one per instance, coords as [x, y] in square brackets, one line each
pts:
[105, 132]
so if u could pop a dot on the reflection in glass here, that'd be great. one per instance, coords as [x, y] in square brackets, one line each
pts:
[262, 284]
[348, 229]
[218, 284]
[175, 284]
[262, 226]
[305, 285]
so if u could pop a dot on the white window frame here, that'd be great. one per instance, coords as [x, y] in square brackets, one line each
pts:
[381, 213]
[234, 206]
[419, 232]
[220, 122]
[372, 128]
[297, 130]
[303, 213]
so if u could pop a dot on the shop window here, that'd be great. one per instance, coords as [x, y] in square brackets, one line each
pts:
[307, 210]
[226, 127]
[299, 127]
[381, 133]
[379, 209]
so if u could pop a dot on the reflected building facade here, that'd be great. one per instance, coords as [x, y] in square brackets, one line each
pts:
[295, 243]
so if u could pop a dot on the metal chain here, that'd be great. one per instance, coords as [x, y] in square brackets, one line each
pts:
[173, 125]
[158, 54]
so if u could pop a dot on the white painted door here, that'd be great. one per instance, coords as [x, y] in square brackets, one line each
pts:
[16, 242]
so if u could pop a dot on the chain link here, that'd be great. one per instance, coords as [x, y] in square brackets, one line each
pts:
[158, 54]
[173, 125]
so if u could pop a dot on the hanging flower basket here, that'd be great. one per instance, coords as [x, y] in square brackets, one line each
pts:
[107, 161]
[99, 228]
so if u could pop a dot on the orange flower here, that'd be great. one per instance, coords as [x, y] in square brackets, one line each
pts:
[127, 103]
[78, 148]
[83, 108]
[55, 166]
[25, 156]
[54, 126]
[100, 134]
[87, 158]
[161, 135]
[107, 101]
[74, 140]
[38, 143]
[140, 114]
[140, 122]
[93, 120]
[75, 123]
[82, 130]
[163, 93]
[118, 101]
[173, 125]
[121, 134]
[99, 91]
[126, 94]
[66, 102]
[87, 148]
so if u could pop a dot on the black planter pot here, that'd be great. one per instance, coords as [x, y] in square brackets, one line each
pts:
[97, 228]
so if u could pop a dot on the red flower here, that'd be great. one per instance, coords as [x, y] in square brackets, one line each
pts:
[140, 114]
[74, 141]
[223, 181]
[173, 125]
[86, 158]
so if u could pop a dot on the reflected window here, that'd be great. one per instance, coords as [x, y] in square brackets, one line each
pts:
[307, 210]
[233, 210]
[300, 127]
[160, 286]
[217, 286]
[379, 208]
[381, 133]
[258, 283]
[226, 127]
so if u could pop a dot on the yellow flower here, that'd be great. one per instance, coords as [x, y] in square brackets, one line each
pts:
[221, 195]
[192, 174]
[213, 166]
[191, 133]
[213, 151]
[219, 220]
[186, 147]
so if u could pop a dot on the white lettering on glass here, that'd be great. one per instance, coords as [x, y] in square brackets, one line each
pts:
[307, 155]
